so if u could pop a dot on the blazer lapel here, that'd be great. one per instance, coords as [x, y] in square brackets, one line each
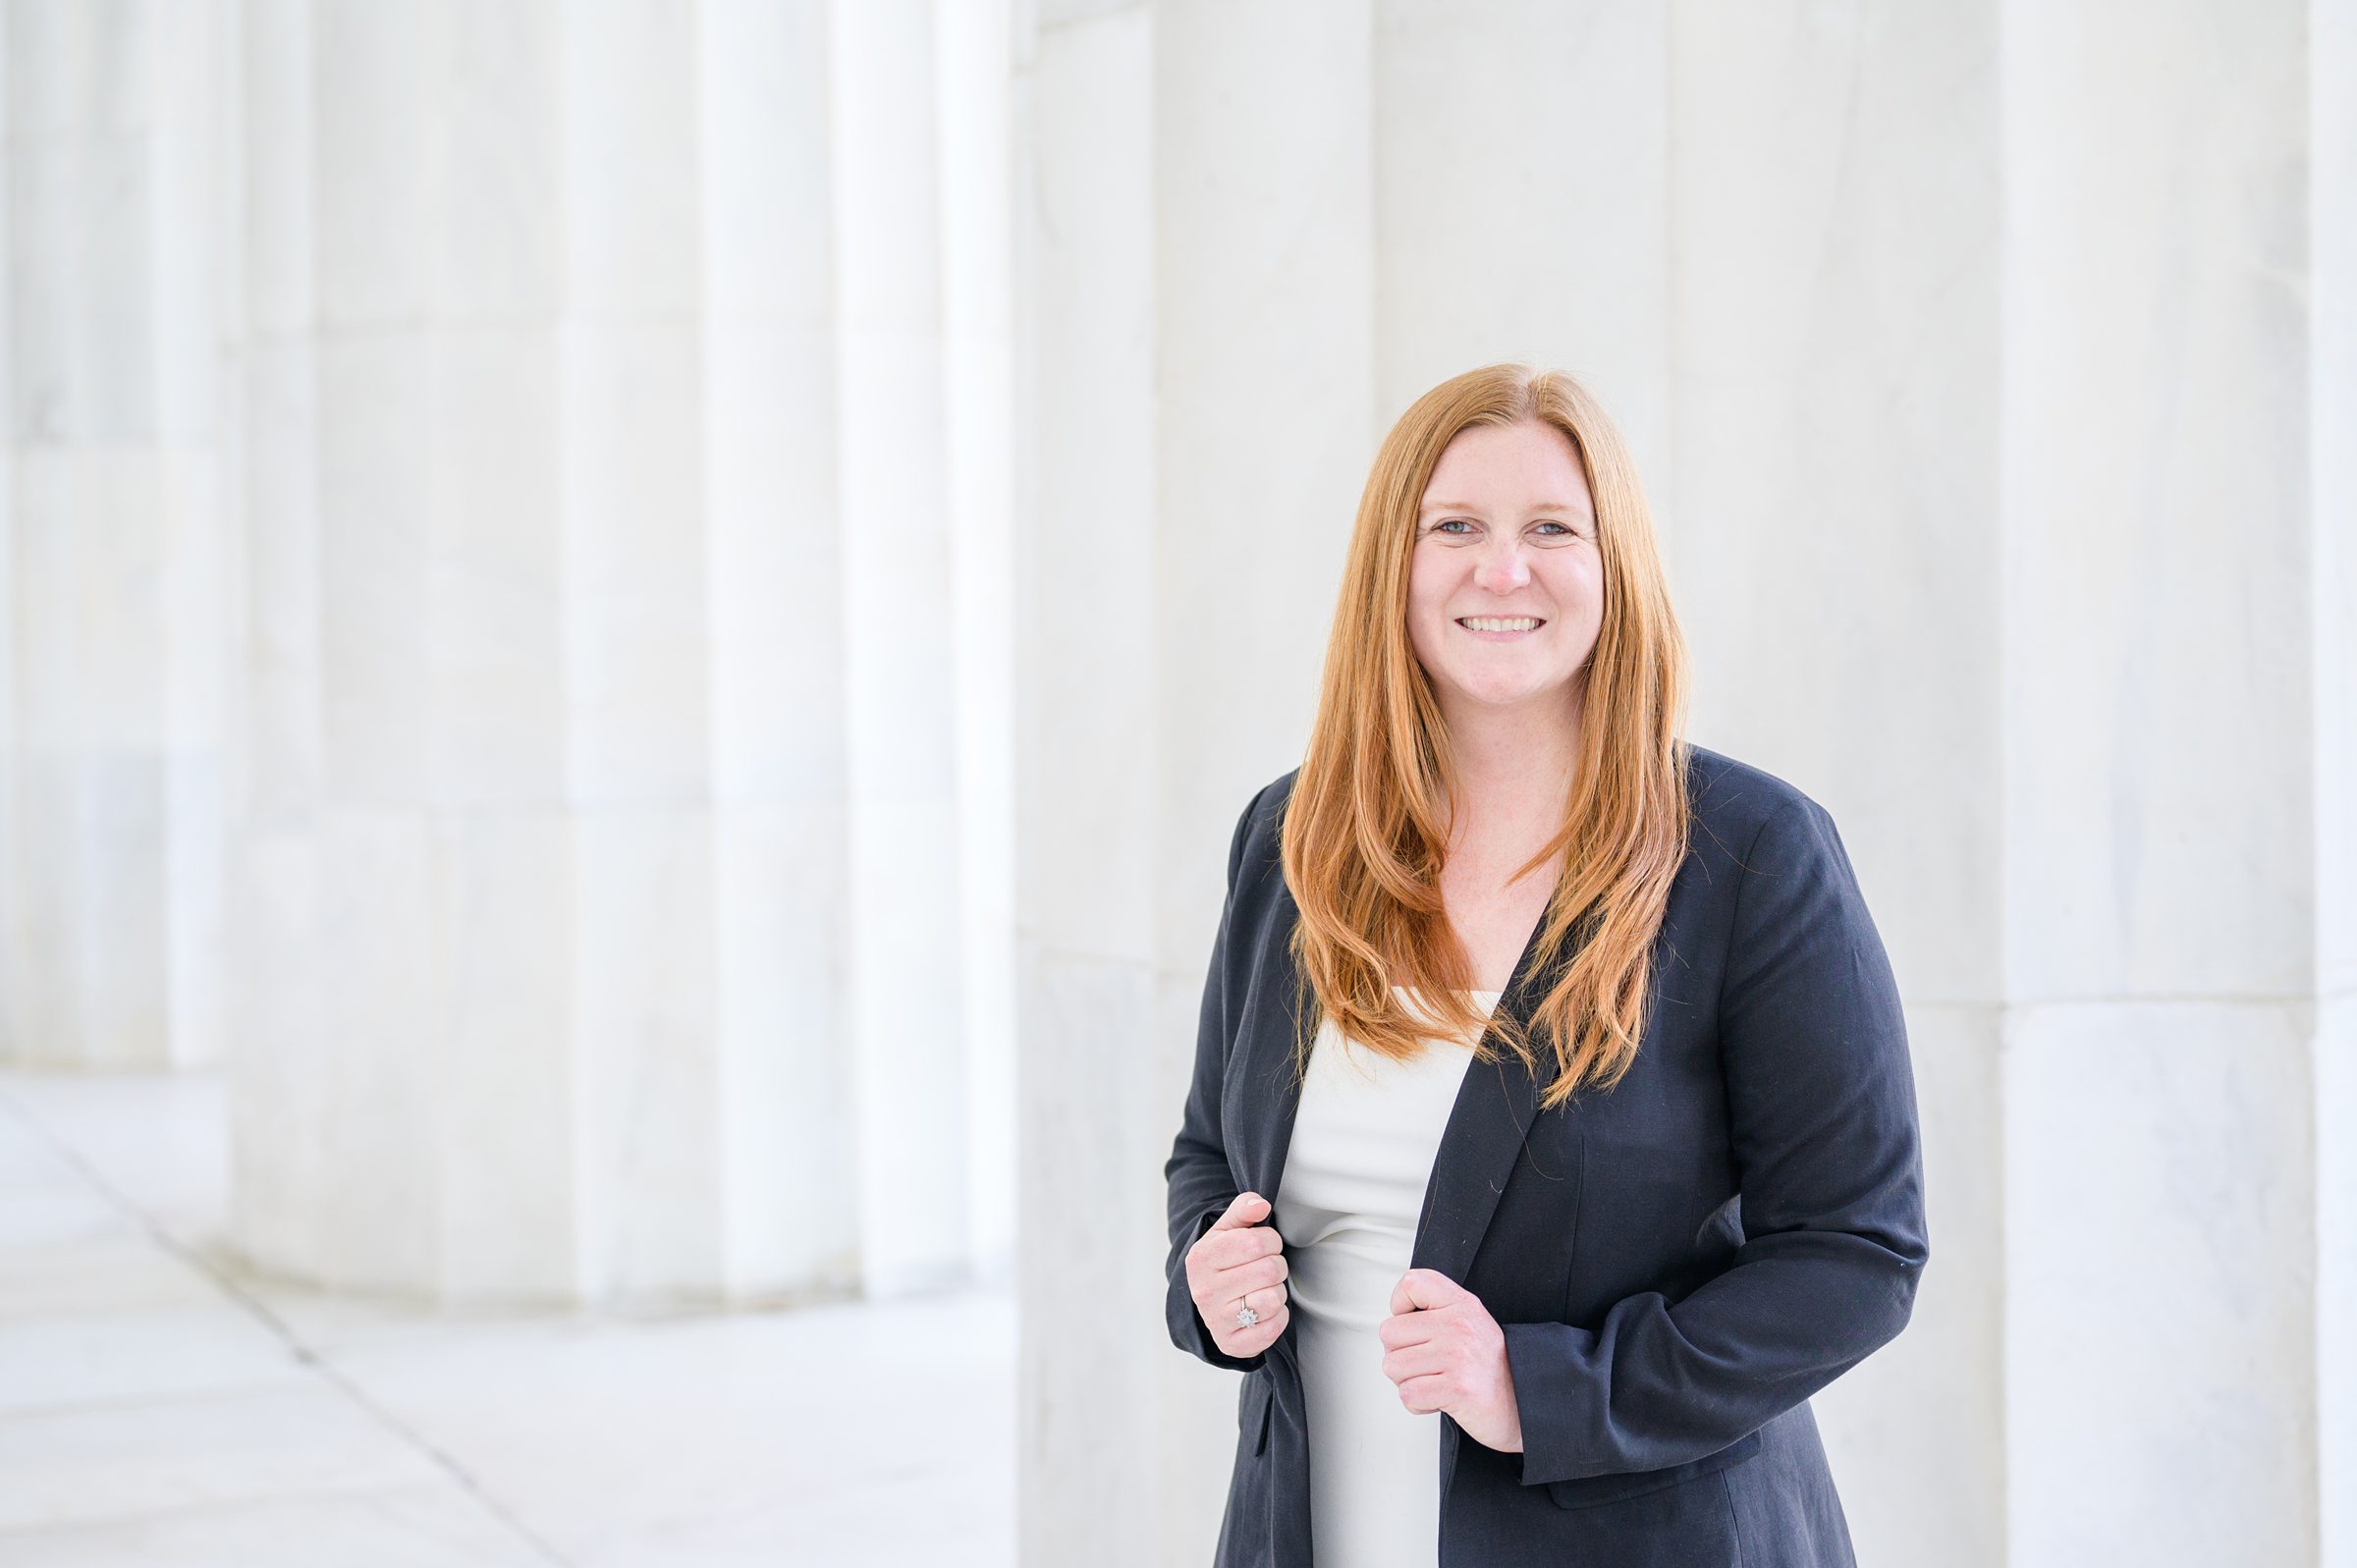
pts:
[1259, 1082]
[1492, 1116]
[1486, 1128]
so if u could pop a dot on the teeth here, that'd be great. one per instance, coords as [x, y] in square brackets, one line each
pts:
[1499, 623]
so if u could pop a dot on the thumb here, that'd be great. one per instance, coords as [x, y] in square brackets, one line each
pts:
[1248, 1208]
[1424, 1288]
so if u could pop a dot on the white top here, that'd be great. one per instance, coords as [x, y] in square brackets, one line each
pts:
[1364, 1137]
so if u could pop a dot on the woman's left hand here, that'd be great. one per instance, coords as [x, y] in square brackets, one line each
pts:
[1445, 1352]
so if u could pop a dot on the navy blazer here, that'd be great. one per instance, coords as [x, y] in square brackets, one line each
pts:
[1676, 1265]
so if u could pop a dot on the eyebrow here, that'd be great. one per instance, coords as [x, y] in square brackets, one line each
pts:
[1544, 505]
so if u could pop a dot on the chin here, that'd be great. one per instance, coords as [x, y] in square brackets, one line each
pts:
[1496, 693]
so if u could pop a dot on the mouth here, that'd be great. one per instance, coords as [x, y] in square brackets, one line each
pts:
[1500, 628]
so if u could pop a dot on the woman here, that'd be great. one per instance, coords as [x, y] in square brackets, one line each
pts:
[1552, 1135]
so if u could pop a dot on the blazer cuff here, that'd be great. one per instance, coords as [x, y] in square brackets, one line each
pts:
[1542, 1361]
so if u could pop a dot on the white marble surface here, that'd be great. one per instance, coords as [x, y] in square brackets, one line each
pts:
[420, 1527]
[2174, 856]
[2333, 240]
[601, 774]
[115, 720]
[2161, 1296]
[1496, 230]
[902, 919]
[1093, 666]
[159, 1410]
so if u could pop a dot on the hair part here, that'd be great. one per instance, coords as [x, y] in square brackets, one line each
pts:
[1367, 826]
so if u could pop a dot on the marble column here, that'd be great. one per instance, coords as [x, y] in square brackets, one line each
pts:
[572, 865]
[114, 576]
[904, 910]
[1086, 785]
[1187, 472]
[973, 44]
[2331, 602]
[2174, 881]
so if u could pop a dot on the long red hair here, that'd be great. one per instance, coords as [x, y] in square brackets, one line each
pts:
[1366, 828]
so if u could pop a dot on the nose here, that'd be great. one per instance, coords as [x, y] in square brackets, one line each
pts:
[1503, 566]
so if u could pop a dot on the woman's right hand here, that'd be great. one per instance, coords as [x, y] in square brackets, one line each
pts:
[1240, 1262]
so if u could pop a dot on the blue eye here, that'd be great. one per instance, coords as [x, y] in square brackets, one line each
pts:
[1450, 525]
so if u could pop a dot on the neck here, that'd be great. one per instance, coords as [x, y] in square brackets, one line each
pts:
[1515, 767]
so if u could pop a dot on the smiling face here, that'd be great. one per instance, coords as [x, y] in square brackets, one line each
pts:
[1505, 584]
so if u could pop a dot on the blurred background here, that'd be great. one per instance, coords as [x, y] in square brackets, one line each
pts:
[630, 632]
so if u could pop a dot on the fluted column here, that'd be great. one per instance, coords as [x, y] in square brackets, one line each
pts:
[2173, 885]
[1086, 779]
[905, 911]
[552, 828]
[2333, 604]
[115, 573]
[1195, 211]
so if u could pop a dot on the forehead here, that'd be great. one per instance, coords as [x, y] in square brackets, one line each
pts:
[1520, 467]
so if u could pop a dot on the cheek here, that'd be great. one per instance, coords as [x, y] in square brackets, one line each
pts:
[1424, 620]
[1579, 587]
[1423, 637]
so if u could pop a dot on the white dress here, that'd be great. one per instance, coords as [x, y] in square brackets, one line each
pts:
[1364, 1142]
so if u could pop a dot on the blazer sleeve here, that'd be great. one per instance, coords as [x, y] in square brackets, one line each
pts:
[1201, 1186]
[1822, 1119]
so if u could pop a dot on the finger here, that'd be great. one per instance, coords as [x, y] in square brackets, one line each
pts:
[1234, 1249]
[1265, 1332]
[1230, 1287]
[1426, 1394]
[1247, 1209]
[1244, 1339]
[1216, 1250]
[1425, 1288]
[1405, 1329]
[1418, 1360]
[1252, 1275]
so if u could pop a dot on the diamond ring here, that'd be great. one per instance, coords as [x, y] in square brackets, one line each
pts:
[1246, 1316]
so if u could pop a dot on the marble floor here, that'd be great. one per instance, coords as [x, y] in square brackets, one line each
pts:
[158, 1411]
